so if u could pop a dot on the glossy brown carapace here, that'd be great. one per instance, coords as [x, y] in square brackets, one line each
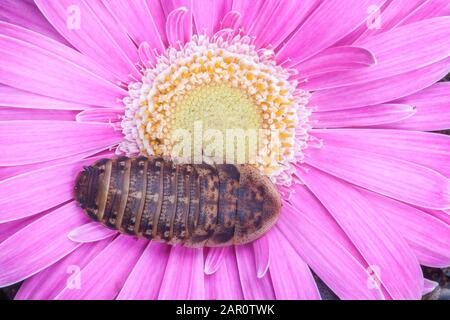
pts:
[196, 205]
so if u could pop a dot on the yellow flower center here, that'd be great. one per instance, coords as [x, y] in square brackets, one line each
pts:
[221, 102]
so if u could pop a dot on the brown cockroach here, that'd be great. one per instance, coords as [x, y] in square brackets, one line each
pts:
[197, 205]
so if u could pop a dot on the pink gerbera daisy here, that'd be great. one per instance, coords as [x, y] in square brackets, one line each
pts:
[348, 88]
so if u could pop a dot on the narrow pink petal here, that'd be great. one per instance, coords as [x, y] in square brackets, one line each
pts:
[387, 252]
[27, 15]
[187, 282]
[429, 286]
[39, 245]
[8, 172]
[93, 31]
[428, 149]
[249, 11]
[394, 12]
[270, 29]
[90, 232]
[159, 17]
[443, 215]
[254, 288]
[214, 259]
[138, 21]
[331, 21]
[231, 20]
[40, 190]
[12, 97]
[429, 9]
[57, 48]
[175, 27]
[396, 52]
[261, 249]
[336, 59]
[383, 114]
[427, 236]
[185, 24]
[100, 115]
[53, 76]
[103, 277]
[208, 15]
[433, 109]
[375, 92]
[25, 142]
[65, 273]
[145, 280]
[331, 261]
[7, 229]
[387, 175]
[225, 284]
[147, 55]
[291, 277]
[11, 114]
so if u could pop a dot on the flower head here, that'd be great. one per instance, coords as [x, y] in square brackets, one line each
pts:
[341, 97]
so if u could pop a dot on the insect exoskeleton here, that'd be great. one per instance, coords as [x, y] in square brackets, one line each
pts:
[196, 205]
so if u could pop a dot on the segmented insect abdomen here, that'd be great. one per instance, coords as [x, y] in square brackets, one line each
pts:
[196, 205]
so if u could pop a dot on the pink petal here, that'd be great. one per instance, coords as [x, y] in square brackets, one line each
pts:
[208, 14]
[53, 76]
[38, 245]
[8, 172]
[214, 260]
[394, 12]
[145, 280]
[270, 27]
[175, 27]
[375, 92]
[159, 17]
[65, 273]
[428, 149]
[94, 32]
[12, 97]
[331, 21]
[103, 277]
[231, 20]
[40, 190]
[225, 284]
[433, 109]
[7, 229]
[387, 175]
[429, 9]
[56, 48]
[427, 236]
[291, 277]
[441, 215]
[25, 142]
[100, 115]
[328, 257]
[187, 283]
[185, 20]
[336, 59]
[261, 250]
[27, 15]
[254, 288]
[249, 10]
[12, 114]
[429, 286]
[137, 21]
[147, 55]
[383, 114]
[396, 52]
[381, 246]
[90, 232]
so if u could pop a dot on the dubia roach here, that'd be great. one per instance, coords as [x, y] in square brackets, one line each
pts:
[196, 205]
